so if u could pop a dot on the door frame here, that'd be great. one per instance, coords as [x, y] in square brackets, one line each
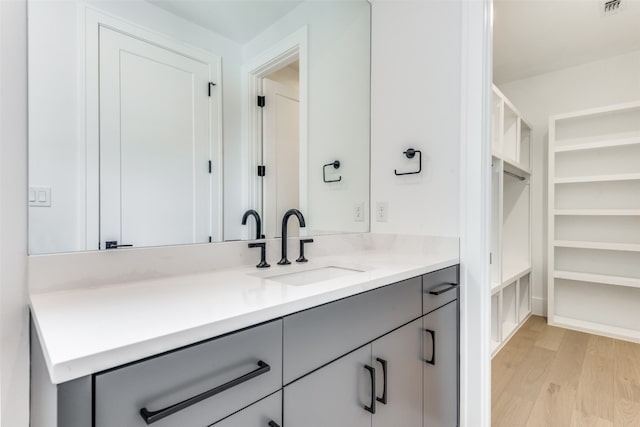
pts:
[291, 48]
[90, 20]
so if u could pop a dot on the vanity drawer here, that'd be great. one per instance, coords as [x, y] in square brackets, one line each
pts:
[260, 414]
[225, 374]
[319, 335]
[440, 288]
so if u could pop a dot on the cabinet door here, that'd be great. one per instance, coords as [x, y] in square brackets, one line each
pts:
[400, 355]
[441, 367]
[265, 413]
[335, 395]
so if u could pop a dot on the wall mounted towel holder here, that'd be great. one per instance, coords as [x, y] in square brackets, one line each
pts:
[411, 153]
[336, 165]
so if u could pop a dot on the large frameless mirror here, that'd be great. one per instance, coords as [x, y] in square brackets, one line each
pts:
[168, 122]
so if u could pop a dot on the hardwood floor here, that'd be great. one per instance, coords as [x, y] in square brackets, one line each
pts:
[547, 376]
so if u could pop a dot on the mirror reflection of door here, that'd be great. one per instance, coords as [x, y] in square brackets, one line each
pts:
[281, 148]
[155, 144]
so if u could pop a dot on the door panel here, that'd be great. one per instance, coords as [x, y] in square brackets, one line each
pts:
[282, 156]
[441, 376]
[402, 352]
[334, 395]
[155, 144]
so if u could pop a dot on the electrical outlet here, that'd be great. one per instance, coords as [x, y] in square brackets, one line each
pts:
[358, 212]
[382, 209]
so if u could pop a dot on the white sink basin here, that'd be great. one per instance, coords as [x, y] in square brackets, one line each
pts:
[311, 276]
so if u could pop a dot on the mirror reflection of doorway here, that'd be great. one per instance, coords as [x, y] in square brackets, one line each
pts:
[155, 145]
[281, 147]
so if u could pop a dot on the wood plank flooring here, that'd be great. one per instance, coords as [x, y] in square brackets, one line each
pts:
[547, 376]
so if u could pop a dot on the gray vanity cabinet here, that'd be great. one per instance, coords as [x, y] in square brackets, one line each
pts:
[214, 379]
[441, 367]
[334, 395]
[264, 413]
[400, 352]
[387, 357]
[338, 393]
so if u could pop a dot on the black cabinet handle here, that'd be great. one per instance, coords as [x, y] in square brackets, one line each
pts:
[384, 364]
[445, 287]
[372, 372]
[113, 244]
[273, 424]
[150, 417]
[432, 361]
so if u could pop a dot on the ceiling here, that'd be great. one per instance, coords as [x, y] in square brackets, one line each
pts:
[238, 20]
[533, 37]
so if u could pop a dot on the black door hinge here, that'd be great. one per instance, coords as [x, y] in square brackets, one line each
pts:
[210, 85]
[261, 101]
[262, 170]
[209, 239]
[210, 166]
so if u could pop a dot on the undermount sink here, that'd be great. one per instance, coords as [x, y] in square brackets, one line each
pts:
[312, 275]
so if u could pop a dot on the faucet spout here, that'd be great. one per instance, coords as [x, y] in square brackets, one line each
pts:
[256, 215]
[285, 220]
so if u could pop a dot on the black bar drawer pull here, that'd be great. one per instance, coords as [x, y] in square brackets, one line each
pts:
[432, 361]
[384, 364]
[445, 287]
[273, 424]
[150, 417]
[372, 372]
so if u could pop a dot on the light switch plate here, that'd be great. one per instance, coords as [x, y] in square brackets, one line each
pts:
[382, 211]
[40, 197]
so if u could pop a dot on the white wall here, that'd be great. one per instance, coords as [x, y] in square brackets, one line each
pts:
[610, 81]
[56, 141]
[416, 63]
[14, 331]
[338, 106]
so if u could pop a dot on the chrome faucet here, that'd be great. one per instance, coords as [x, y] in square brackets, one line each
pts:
[256, 215]
[285, 219]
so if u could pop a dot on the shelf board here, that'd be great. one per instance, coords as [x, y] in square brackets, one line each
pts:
[629, 282]
[512, 166]
[515, 168]
[495, 287]
[627, 247]
[598, 212]
[604, 143]
[599, 178]
[596, 328]
[511, 273]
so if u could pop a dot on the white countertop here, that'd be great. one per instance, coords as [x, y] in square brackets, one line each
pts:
[84, 331]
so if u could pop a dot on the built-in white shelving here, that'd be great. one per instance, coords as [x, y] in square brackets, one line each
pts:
[594, 221]
[631, 247]
[598, 278]
[598, 212]
[599, 178]
[594, 145]
[510, 222]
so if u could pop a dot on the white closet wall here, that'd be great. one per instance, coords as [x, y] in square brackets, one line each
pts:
[511, 221]
[594, 221]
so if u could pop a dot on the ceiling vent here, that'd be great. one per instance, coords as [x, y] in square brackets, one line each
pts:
[612, 6]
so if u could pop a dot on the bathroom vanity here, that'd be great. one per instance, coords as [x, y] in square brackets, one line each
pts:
[372, 346]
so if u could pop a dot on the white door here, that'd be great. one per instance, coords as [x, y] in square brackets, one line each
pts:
[156, 139]
[281, 148]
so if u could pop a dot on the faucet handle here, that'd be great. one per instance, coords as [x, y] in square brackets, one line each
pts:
[301, 258]
[263, 254]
